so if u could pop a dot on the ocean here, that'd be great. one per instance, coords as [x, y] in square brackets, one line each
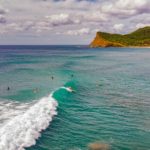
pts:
[110, 103]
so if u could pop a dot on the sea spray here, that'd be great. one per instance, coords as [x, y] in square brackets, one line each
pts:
[25, 127]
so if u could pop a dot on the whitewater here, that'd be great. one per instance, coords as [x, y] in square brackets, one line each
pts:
[21, 123]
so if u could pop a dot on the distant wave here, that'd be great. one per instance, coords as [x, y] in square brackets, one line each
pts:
[21, 124]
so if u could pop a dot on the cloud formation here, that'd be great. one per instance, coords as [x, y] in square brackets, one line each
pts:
[82, 31]
[61, 19]
[3, 10]
[2, 19]
[118, 27]
[126, 8]
[72, 17]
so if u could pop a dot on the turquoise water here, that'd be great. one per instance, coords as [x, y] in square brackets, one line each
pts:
[111, 102]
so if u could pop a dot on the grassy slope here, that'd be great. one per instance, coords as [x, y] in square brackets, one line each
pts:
[140, 37]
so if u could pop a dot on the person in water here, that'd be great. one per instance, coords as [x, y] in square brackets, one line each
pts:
[8, 88]
[52, 77]
[36, 90]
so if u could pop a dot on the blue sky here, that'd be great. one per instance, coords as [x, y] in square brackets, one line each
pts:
[68, 21]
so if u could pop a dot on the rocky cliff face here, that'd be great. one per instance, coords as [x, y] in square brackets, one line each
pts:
[99, 41]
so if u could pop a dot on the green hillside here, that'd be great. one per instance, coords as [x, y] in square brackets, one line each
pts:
[140, 37]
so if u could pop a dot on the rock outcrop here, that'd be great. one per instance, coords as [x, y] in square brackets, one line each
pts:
[138, 38]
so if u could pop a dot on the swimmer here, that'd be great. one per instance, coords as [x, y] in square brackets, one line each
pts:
[52, 77]
[99, 84]
[36, 90]
[8, 88]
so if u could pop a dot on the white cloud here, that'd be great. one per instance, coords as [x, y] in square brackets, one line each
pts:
[128, 4]
[118, 27]
[82, 31]
[41, 27]
[141, 25]
[61, 19]
[125, 8]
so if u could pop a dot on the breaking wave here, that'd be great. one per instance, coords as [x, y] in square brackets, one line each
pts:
[21, 123]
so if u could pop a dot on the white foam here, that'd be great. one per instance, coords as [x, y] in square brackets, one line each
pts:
[69, 89]
[23, 123]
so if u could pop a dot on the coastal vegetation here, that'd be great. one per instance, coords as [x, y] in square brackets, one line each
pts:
[139, 38]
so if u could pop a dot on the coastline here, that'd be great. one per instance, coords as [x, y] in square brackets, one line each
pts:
[121, 47]
[138, 39]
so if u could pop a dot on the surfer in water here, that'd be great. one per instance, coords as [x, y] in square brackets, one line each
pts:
[70, 89]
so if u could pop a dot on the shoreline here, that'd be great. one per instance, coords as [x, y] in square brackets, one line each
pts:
[121, 47]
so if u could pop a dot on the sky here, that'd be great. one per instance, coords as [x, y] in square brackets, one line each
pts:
[52, 22]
